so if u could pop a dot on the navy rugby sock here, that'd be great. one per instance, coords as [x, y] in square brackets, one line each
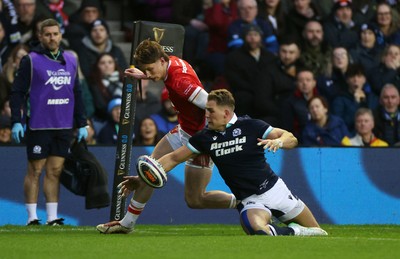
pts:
[280, 231]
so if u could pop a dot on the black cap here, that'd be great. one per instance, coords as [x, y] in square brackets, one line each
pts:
[341, 3]
[90, 3]
[249, 28]
[370, 26]
[99, 22]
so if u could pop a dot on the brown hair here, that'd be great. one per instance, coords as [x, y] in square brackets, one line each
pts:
[140, 141]
[355, 70]
[148, 52]
[9, 67]
[386, 50]
[394, 23]
[48, 23]
[321, 98]
[96, 76]
[222, 97]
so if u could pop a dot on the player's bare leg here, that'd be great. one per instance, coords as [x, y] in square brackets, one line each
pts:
[196, 196]
[143, 192]
[51, 181]
[255, 222]
[31, 188]
[51, 189]
[31, 181]
[305, 218]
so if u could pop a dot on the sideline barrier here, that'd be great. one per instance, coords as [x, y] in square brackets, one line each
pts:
[340, 185]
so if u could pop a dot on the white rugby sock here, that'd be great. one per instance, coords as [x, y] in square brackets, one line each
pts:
[272, 230]
[232, 204]
[133, 213]
[51, 210]
[31, 209]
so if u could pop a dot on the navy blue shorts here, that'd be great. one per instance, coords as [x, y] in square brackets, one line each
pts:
[41, 144]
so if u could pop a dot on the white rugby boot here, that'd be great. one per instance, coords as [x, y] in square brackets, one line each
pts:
[305, 231]
[113, 227]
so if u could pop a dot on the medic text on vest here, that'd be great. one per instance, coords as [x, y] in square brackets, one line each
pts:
[57, 101]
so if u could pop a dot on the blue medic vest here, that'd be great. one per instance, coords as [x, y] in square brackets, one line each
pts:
[51, 97]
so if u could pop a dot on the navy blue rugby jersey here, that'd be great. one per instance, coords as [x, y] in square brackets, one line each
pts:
[240, 161]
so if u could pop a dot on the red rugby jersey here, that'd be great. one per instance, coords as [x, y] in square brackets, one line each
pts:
[183, 86]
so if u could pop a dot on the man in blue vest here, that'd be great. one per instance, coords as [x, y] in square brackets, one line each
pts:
[47, 89]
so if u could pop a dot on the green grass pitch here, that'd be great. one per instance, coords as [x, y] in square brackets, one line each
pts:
[197, 241]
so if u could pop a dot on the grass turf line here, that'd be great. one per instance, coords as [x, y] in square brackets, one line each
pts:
[197, 241]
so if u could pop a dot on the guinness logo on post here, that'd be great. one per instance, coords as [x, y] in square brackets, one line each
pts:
[158, 34]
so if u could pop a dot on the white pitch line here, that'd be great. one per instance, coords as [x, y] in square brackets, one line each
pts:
[39, 229]
[365, 238]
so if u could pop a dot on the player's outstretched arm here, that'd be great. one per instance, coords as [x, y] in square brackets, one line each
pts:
[169, 161]
[278, 138]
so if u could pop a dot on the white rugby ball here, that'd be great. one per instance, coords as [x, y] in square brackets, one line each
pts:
[151, 171]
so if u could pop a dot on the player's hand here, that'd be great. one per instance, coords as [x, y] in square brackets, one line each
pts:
[82, 133]
[17, 131]
[127, 186]
[359, 95]
[136, 73]
[270, 144]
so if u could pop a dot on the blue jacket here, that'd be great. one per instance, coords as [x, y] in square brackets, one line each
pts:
[337, 34]
[330, 135]
[235, 39]
[380, 75]
[368, 58]
[345, 106]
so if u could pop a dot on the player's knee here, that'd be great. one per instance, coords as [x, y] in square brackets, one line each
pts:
[34, 172]
[54, 169]
[53, 174]
[33, 175]
[252, 228]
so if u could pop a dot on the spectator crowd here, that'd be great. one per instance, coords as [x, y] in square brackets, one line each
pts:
[326, 70]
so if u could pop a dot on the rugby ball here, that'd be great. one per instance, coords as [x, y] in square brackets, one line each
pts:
[151, 171]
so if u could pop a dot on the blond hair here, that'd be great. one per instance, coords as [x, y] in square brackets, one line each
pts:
[222, 97]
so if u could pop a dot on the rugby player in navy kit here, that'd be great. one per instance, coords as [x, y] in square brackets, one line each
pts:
[236, 145]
